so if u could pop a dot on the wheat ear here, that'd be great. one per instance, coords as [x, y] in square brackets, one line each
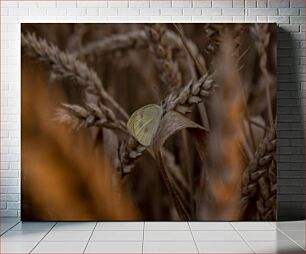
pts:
[192, 93]
[258, 187]
[262, 40]
[67, 66]
[92, 115]
[162, 52]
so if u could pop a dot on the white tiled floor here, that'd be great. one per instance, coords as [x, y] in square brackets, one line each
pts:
[152, 237]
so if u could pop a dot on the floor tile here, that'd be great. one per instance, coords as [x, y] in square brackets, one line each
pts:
[256, 225]
[166, 225]
[17, 247]
[167, 236]
[33, 226]
[111, 247]
[98, 236]
[295, 234]
[23, 236]
[9, 220]
[5, 226]
[119, 226]
[291, 225]
[273, 235]
[223, 247]
[276, 247]
[63, 226]
[60, 247]
[169, 247]
[70, 236]
[216, 236]
[221, 226]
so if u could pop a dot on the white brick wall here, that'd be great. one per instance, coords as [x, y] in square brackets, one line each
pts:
[289, 14]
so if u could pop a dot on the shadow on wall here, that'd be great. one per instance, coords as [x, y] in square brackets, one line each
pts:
[291, 140]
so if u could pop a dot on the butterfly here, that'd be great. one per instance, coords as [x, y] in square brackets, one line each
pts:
[144, 123]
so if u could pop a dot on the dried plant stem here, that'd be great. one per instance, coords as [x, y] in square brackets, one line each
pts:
[262, 40]
[160, 47]
[201, 67]
[66, 66]
[180, 208]
[258, 187]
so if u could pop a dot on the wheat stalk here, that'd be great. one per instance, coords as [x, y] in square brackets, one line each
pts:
[162, 52]
[67, 66]
[259, 180]
[92, 115]
[192, 93]
[262, 40]
[135, 39]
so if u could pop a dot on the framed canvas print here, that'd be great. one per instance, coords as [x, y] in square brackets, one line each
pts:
[155, 122]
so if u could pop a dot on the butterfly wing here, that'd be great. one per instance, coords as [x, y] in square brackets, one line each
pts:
[144, 122]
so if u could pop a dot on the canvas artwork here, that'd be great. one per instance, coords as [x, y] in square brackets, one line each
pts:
[155, 122]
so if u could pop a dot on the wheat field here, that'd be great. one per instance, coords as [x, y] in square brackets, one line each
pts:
[213, 156]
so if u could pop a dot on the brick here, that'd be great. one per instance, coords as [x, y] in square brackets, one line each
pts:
[66, 4]
[160, 3]
[89, 4]
[9, 4]
[56, 12]
[76, 11]
[291, 174]
[239, 19]
[92, 12]
[182, 3]
[288, 11]
[9, 213]
[279, 20]
[278, 3]
[222, 3]
[139, 4]
[262, 3]
[118, 4]
[202, 19]
[222, 19]
[13, 205]
[9, 197]
[108, 11]
[192, 11]
[18, 12]
[262, 12]
[8, 181]
[128, 11]
[238, 3]
[182, 19]
[211, 12]
[202, 3]
[9, 173]
[138, 19]
[150, 12]
[233, 12]
[38, 11]
[161, 19]
[250, 3]
[172, 11]
[262, 19]
[28, 4]
[47, 4]
[2, 205]
[297, 20]
[297, 3]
